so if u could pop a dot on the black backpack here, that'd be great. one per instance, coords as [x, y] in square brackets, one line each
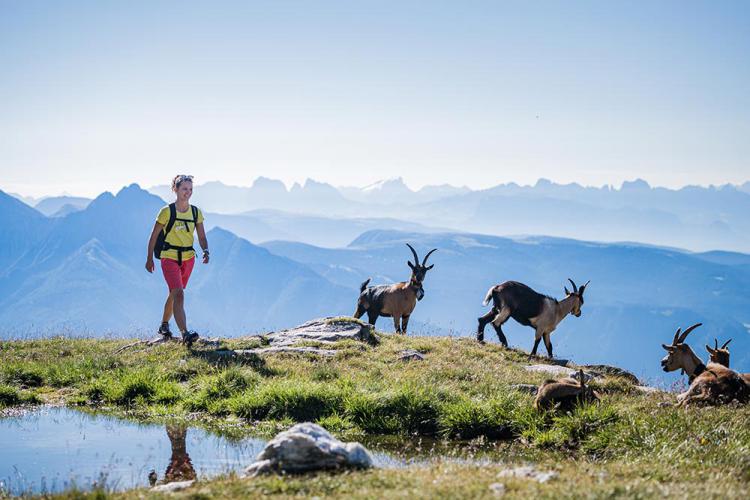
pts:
[161, 242]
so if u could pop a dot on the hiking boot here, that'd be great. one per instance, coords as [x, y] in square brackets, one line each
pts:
[189, 337]
[164, 330]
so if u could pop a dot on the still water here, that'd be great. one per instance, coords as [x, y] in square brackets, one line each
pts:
[51, 449]
[54, 449]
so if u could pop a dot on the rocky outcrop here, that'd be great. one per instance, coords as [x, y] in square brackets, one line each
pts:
[324, 331]
[307, 447]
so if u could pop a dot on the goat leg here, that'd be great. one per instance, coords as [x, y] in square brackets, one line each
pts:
[536, 345]
[359, 312]
[501, 335]
[483, 322]
[548, 344]
[404, 323]
[396, 323]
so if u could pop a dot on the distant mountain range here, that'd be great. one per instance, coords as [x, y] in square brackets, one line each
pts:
[83, 273]
[696, 218]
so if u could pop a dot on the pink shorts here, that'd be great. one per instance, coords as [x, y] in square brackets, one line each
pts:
[176, 275]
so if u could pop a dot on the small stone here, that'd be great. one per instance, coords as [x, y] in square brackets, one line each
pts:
[411, 355]
[527, 388]
[172, 487]
[498, 489]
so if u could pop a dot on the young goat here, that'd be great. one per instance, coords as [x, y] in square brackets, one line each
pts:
[711, 384]
[564, 394]
[516, 300]
[720, 355]
[397, 300]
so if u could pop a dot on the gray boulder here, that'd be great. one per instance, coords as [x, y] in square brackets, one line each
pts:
[307, 447]
[325, 331]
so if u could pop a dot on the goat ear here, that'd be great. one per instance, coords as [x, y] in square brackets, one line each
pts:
[430, 267]
[408, 262]
[708, 348]
[668, 347]
[566, 290]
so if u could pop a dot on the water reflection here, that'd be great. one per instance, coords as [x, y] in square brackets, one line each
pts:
[180, 467]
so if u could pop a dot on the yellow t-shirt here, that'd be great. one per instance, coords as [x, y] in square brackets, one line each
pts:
[181, 234]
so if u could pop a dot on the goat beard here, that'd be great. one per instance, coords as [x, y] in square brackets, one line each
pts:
[420, 293]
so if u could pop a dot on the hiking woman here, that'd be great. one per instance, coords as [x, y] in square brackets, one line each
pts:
[175, 225]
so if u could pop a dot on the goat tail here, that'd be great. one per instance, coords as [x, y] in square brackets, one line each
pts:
[488, 297]
[364, 285]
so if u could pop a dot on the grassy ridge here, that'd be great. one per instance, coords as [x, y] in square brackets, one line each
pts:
[462, 390]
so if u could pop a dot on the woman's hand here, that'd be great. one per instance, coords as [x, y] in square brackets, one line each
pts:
[205, 257]
[150, 265]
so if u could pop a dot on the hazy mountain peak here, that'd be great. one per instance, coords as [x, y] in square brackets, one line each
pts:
[636, 185]
[266, 184]
[10, 204]
[394, 185]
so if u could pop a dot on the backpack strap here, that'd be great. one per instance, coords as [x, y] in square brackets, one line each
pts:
[172, 218]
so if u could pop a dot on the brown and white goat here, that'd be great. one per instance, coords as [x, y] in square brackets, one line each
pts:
[720, 355]
[398, 300]
[564, 394]
[541, 312]
[712, 383]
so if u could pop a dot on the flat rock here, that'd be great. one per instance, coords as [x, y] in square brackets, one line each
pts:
[561, 371]
[307, 447]
[326, 331]
[410, 355]
[172, 487]
[612, 371]
[528, 472]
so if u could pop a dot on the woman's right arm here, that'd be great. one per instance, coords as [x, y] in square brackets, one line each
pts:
[151, 244]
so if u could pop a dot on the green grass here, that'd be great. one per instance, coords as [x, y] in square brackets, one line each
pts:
[461, 391]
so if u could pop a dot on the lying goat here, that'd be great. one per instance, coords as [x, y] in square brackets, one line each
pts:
[564, 394]
[711, 384]
[516, 300]
[397, 300]
[720, 355]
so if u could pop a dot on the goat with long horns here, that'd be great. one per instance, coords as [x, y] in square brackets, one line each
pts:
[709, 384]
[518, 301]
[398, 300]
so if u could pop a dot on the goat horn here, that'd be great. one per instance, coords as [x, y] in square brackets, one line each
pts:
[716, 343]
[690, 329]
[575, 288]
[424, 262]
[726, 343]
[416, 257]
[676, 340]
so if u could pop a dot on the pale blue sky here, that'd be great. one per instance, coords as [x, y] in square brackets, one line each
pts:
[95, 95]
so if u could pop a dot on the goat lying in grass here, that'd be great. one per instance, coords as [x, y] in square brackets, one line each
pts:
[711, 384]
[398, 300]
[518, 301]
[720, 355]
[564, 394]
